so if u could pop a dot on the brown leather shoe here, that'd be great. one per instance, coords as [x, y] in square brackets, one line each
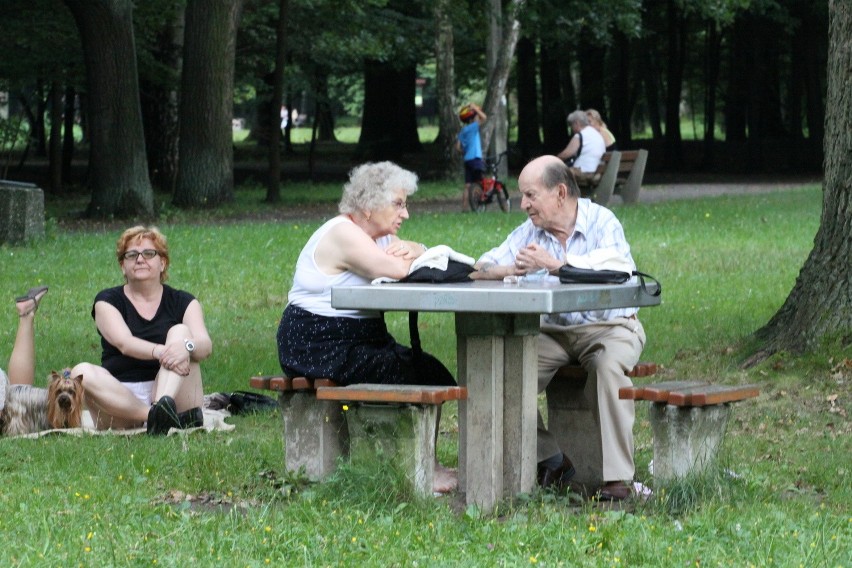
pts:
[615, 491]
[557, 478]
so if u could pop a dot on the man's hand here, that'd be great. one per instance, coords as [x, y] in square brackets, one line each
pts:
[533, 257]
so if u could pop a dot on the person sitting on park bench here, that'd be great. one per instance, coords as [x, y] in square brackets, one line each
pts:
[586, 147]
[606, 343]
[316, 340]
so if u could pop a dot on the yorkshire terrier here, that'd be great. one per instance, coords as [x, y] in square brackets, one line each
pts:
[30, 409]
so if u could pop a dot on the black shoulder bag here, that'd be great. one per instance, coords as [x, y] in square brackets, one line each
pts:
[572, 275]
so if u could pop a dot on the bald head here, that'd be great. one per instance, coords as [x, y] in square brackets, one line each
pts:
[550, 172]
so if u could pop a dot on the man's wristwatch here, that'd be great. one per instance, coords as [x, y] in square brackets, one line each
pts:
[190, 346]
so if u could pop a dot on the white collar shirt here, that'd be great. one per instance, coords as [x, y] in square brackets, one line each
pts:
[595, 227]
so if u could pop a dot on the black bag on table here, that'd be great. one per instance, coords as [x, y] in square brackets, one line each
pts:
[572, 275]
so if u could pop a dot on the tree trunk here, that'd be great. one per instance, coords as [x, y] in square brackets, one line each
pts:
[160, 106]
[389, 124]
[736, 98]
[554, 127]
[206, 174]
[322, 107]
[820, 304]
[621, 91]
[499, 78]
[55, 148]
[68, 133]
[118, 168]
[273, 178]
[529, 140]
[674, 84]
[448, 122]
[712, 57]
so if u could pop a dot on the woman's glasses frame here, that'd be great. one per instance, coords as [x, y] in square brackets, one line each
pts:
[132, 255]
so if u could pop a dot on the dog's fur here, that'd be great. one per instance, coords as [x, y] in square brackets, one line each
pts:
[30, 409]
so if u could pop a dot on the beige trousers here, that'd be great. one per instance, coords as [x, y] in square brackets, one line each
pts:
[606, 350]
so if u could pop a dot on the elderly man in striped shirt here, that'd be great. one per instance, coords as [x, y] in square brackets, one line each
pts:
[605, 342]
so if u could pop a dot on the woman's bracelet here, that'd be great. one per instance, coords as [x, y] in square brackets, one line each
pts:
[152, 353]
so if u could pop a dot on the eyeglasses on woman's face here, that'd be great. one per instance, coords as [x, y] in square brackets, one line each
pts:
[132, 255]
[399, 204]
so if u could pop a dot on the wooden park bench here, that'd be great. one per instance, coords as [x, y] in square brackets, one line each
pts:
[688, 420]
[574, 419]
[620, 172]
[324, 421]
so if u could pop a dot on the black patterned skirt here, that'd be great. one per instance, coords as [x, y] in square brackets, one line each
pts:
[351, 350]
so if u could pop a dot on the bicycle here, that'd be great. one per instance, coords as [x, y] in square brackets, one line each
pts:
[490, 187]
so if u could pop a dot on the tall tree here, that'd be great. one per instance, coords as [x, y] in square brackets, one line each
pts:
[445, 79]
[118, 168]
[273, 178]
[498, 79]
[160, 28]
[206, 173]
[820, 304]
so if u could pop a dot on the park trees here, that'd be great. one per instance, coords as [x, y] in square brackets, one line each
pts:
[118, 168]
[206, 173]
[820, 304]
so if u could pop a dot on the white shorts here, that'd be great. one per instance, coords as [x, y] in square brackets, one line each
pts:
[142, 391]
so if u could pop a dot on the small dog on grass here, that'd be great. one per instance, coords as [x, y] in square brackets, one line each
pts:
[30, 409]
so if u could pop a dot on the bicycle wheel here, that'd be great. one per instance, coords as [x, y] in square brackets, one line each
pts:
[476, 203]
[503, 198]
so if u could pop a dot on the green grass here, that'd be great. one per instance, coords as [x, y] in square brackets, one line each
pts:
[726, 265]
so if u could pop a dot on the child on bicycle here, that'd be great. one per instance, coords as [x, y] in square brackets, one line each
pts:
[470, 145]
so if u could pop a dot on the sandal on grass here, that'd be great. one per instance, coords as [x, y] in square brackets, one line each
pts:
[34, 294]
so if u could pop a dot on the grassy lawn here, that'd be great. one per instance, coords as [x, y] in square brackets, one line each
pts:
[780, 496]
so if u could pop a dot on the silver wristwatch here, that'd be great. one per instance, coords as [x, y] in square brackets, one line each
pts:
[190, 346]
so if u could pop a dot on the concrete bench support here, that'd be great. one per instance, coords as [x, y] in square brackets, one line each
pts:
[688, 419]
[686, 438]
[315, 434]
[395, 424]
[573, 416]
[403, 436]
[21, 212]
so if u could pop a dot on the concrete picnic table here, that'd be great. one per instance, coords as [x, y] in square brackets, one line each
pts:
[497, 349]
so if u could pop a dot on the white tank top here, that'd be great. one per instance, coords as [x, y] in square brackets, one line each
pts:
[311, 289]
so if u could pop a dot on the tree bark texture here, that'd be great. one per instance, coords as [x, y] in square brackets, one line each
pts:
[55, 148]
[273, 178]
[529, 140]
[820, 304]
[160, 107]
[206, 173]
[448, 122]
[499, 78]
[553, 115]
[118, 168]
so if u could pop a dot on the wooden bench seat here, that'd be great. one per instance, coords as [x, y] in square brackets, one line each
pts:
[573, 417]
[688, 419]
[620, 172]
[364, 421]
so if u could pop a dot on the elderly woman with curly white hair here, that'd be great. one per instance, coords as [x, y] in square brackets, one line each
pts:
[357, 246]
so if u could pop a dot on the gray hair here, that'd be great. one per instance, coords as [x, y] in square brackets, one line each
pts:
[371, 186]
[557, 172]
[578, 116]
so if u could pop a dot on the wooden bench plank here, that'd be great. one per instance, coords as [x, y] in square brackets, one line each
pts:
[401, 394]
[711, 394]
[282, 383]
[656, 392]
